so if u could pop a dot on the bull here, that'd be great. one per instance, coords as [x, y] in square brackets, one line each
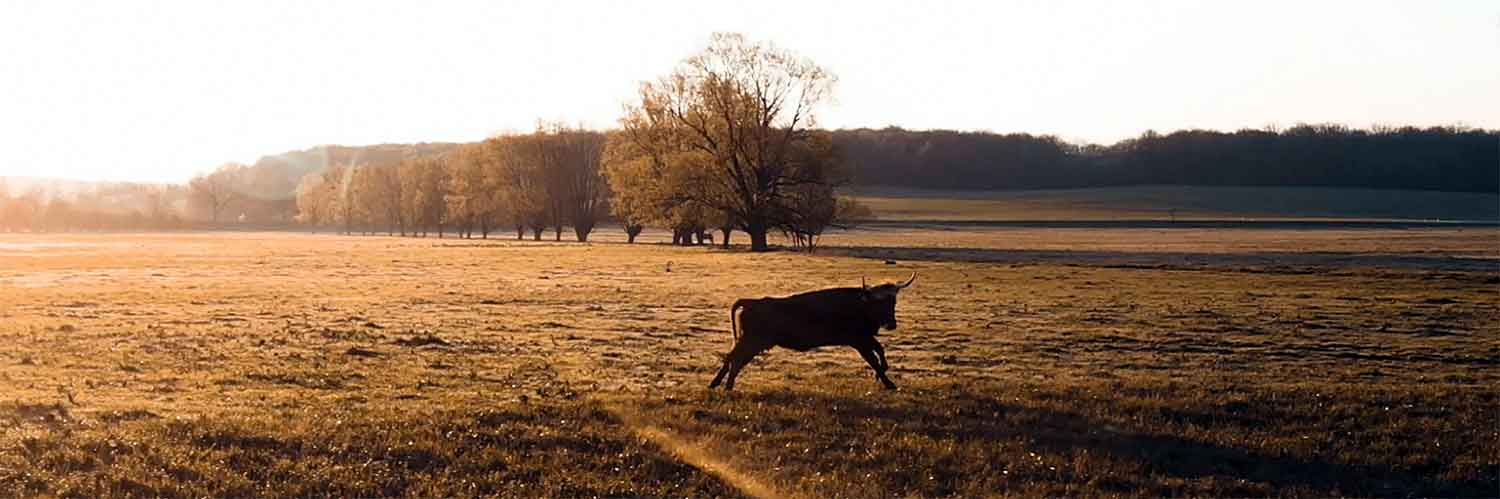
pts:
[830, 317]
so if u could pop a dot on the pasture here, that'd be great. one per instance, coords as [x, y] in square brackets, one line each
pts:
[1032, 361]
[1166, 202]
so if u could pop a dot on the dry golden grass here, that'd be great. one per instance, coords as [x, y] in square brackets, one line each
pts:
[1032, 361]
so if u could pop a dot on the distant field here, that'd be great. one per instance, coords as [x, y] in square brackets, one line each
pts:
[1032, 362]
[1181, 202]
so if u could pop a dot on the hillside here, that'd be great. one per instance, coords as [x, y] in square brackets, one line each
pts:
[272, 177]
[1181, 202]
[1304, 172]
[18, 185]
[1446, 159]
[276, 176]
[1449, 159]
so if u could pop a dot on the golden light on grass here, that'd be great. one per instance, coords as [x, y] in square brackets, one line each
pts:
[297, 364]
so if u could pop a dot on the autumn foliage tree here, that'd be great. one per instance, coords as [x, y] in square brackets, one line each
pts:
[736, 115]
[727, 140]
[586, 193]
[549, 178]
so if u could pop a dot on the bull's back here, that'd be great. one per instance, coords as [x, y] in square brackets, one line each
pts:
[808, 320]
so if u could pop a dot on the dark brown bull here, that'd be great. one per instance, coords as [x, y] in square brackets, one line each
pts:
[838, 316]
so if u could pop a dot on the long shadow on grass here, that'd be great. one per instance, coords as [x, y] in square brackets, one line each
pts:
[1266, 261]
[566, 450]
[965, 417]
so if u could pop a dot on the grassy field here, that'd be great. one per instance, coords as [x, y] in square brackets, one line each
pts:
[1131, 362]
[1178, 202]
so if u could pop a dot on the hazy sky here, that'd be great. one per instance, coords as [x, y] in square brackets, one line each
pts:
[160, 90]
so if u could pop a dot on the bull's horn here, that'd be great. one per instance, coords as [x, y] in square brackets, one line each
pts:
[862, 283]
[908, 281]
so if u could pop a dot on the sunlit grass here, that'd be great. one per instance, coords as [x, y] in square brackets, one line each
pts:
[293, 365]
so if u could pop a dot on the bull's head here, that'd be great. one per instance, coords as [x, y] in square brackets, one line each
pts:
[880, 301]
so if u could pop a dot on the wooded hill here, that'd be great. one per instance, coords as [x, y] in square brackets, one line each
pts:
[1452, 159]
[1433, 159]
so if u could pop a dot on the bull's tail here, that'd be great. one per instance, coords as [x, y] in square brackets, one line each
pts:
[734, 318]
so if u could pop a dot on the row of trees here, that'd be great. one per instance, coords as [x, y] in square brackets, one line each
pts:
[548, 179]
[728, 140]
[226, 195]
[724, 142]
[122, 206]
[1454, 158]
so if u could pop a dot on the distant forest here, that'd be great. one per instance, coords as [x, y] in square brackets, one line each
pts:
[1452, 159]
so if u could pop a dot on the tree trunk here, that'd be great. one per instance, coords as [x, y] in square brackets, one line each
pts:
[520, 232]
[582, 230]
[631, 231]
[726, 231]
[757, 233]
[536, 233]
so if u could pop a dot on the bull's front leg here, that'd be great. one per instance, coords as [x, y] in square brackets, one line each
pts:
[880, 352]
[867, 350]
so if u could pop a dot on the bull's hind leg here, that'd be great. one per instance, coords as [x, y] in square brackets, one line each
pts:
[742, 354]
[720, 377]
[868, 352]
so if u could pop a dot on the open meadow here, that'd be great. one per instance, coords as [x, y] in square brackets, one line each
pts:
[1182, 202]
[1031, 361]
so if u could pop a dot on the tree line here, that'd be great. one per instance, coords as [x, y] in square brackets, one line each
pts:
[91, 207]
[724, 142]
[1448, 158]
[728, 140]
[547, 179]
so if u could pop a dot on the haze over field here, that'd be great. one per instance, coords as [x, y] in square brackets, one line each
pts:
[158, 92]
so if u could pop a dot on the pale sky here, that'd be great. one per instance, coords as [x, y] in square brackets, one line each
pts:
[157, 91]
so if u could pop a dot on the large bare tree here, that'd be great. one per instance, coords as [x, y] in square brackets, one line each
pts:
[385, 182]
[216, 191]
[585, 193]
[516, 167]
[736, 111]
